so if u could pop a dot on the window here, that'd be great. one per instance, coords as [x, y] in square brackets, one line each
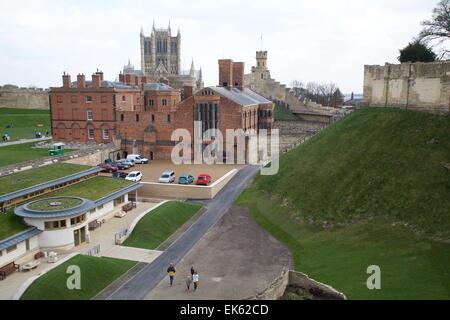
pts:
[151, 102]
[100, 207]
[53, 225]
[104, 99]
[124, 98]
[11, 248]
[262, 76]
[90, 115]
[174, 102]
[168, 118]
[121, 117]
[91, 133]
[74, 99]
[88, 99]
[164, 102]
[225, 84]
[137, 118]
[105, 134]
[59, 99]
[153, 118]
[92, 211]
[78, 220]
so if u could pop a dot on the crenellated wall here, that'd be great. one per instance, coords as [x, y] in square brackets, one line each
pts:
[418, 86]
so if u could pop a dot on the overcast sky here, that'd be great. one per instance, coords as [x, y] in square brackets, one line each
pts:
[314, 40]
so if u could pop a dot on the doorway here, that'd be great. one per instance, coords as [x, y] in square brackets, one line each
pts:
[151, 155]
[79, 236]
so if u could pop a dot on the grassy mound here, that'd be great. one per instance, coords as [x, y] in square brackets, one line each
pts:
[376, 162]
[158, 225]
[283, 114]
[96, 274]
[352, 196]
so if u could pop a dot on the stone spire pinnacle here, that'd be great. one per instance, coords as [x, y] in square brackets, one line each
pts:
[192, 71]
[142, 31]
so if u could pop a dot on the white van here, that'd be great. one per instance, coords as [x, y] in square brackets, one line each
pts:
[136, 158]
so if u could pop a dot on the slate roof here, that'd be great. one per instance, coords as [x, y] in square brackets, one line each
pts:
[19, 237]
[157, 86]
[244, 97]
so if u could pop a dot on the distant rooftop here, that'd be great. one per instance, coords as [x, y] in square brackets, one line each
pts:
[157, 86]
[244, 97]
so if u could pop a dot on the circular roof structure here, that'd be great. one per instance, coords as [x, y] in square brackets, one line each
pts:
[55, 207]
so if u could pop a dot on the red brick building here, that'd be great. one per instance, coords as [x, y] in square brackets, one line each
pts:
[84, 111]
[144, 115]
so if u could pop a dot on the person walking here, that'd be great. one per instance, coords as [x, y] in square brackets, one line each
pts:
[195, 280]
[171, 273]
[188, 282]
[192, 272]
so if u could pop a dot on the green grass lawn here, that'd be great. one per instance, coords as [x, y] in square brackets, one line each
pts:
[10, 224]
[158, 225]
[340, 202]
[96, 274]
[20, 153]
[28, 178]
[283, 114]
[92, 189]
[25, 122]
[412, 267]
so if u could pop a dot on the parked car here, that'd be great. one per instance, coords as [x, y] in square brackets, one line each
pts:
[167, 176]
[185, 178]
[119, 174]
[134, 176]
[127, 162]
[121, 165]
[108, 167]
[203, 179]
[137, 158]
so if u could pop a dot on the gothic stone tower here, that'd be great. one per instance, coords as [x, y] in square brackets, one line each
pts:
[160, 53]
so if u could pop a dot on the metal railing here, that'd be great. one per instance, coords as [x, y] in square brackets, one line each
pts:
[94, 251]
[120, 235]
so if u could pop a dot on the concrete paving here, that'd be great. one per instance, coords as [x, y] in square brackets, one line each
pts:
[236, 259]
[142, 283]
[133, 254]
[21, 141]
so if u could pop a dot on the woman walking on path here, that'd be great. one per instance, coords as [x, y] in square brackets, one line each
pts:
[195, 280]
[192, 272]
[171, 273]
[188, 282]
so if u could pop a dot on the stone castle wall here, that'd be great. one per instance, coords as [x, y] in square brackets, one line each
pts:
[24, 98]
[417, 86]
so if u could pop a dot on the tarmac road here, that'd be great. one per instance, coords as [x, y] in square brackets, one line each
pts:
[149, 277]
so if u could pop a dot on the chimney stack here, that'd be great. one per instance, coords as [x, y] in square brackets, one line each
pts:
[226, 73]
[66, 80]
[238, 75]
[187, 91]
[100, 73]
[81, 81]
[95, 81]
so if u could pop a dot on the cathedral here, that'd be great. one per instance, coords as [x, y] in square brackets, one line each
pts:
[161, 60]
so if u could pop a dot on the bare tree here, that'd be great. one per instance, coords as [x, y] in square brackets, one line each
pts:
[297, 84]
[438, 28]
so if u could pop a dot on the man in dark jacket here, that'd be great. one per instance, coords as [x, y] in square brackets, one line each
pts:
[171, 273]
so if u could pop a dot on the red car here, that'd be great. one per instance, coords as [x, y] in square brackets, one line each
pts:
[203, 179]
[108, 167]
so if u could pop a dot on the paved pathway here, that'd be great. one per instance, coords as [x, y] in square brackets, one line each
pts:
[142, 283]
[21, 141]
[133, 254]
